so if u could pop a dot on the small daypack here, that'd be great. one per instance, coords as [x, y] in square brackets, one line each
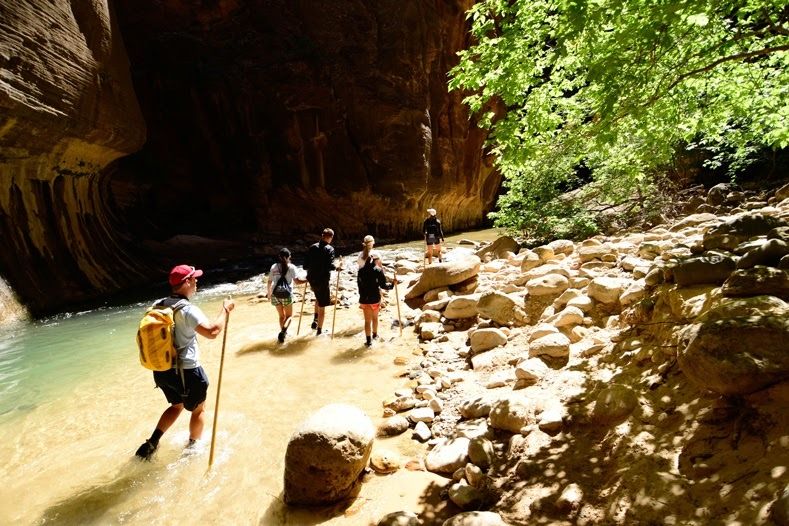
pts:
[282, 288]
[155, 336]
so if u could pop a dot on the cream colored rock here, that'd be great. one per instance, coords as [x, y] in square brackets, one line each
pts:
[461, 307]
[555, 345]
[568, 317]
[486, 339]
[384, 461]
[448, 455]
[542, 329]
[562, 246]
[548, 284]
[607, 290]
[531, 370]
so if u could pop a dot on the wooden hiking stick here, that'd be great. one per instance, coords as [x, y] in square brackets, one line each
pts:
[397, 299]
[336, 300]
[218, 389]
[301, 313]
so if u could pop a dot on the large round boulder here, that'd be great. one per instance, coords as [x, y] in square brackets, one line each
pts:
[327, 454]
[739, 347]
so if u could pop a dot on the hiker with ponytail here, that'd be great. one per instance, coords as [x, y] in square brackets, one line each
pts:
[280, 290]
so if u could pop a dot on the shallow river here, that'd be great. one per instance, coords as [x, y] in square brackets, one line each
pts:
[75, 404]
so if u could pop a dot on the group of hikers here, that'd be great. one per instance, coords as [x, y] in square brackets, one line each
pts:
[185, 385]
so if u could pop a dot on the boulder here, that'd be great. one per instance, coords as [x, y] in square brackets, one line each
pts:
[485, 339]
[531, 370]
[394, 425]
[499, 248]
[513, 413]
[614, 404]
[465, 496]
[757, 281]
[481, 452]
[327, 454]
[530, 260]
[475, 518]
[461, 307]
[550, 284]
[555, 345]
[768, 252]
[562, 246]
[703, 269]
[733, 232]
[739, 347]
[590, 250]
[444, 274]
[501, 308]
[607, 290]
[399, 518]
[448, 456]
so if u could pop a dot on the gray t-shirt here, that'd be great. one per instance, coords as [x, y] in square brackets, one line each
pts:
[187, 319]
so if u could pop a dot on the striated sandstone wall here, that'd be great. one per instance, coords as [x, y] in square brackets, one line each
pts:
[279, 117]
[67, 109]
[266, 121]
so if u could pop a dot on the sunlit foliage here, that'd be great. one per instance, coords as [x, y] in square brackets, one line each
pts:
[612, 90]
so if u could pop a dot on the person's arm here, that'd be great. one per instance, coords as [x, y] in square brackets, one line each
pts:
[211, 330]
[293, 274]
[273, 277]
[382, 283]
[440, 230]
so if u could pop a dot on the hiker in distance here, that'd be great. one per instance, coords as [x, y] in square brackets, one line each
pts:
[186, 384]
[319, 263]
[434, 236]
[370, 279]
[280, 290]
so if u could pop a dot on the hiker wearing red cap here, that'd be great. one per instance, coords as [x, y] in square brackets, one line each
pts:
[186, 384]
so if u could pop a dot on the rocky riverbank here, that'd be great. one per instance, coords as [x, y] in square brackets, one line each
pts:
[629, 379]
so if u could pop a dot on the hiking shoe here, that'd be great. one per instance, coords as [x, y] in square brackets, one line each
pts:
[146, 450]
[281, 337]
[368, 344]
[314, 324]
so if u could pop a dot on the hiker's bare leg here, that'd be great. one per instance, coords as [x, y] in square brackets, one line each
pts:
[321, 315]
[169, 417]
[374, 316]
[429, 255]
[196, 422]
[287, 316]
[281, 313]
[368, 321]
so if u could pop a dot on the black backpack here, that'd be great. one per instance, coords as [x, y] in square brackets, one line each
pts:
[282, 288]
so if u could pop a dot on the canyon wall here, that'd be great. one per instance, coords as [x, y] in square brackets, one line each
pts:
[266, 121]
[67, 110]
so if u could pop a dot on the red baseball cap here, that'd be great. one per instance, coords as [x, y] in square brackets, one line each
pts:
[181, 273]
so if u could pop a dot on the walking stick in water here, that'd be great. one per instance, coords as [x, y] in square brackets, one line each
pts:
[218, 389]
[336, 300]
[397, 299]
[301, 313]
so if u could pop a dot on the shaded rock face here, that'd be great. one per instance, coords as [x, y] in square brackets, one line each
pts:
[67, 110]
[266, 121]
[277, 118]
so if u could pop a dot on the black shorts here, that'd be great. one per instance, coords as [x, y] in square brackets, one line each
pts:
[196, 386]
[321, 291]
[432, 239]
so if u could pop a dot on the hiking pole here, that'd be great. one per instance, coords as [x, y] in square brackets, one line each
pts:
[336, 300]
[218, 389]
[301, 313]
[397, 299]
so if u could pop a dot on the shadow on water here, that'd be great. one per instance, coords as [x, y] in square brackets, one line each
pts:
[91, 504]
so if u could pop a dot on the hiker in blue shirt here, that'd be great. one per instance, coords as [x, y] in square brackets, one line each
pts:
[280, 290]
[186, 385]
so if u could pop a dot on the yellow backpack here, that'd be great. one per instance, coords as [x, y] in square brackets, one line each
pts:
[155, 336]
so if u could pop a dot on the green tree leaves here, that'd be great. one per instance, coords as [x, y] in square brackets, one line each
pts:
[618, 86]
